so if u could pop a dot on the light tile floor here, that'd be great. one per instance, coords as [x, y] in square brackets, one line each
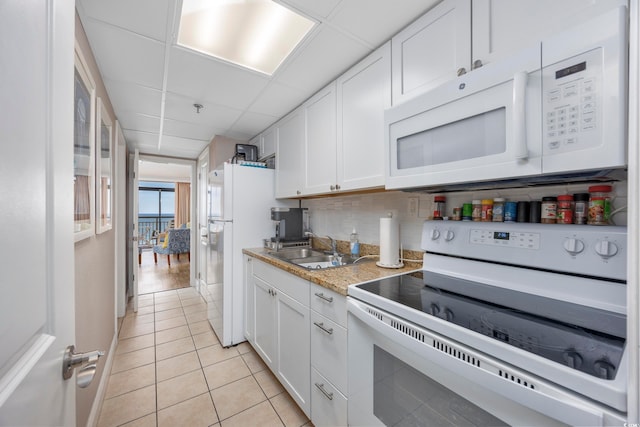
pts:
[154, 277]
[169, 369]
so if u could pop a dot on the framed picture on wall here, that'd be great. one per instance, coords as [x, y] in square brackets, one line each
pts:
[83, 150]
[104, 162]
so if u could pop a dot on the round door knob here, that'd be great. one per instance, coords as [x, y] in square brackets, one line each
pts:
[449, 235]
[434, 234]
[606, 249]
[604, 369]
[573, 246]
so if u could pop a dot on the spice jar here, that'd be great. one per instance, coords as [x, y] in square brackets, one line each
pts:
[487, 210]
[467, 211]
[580, 206]
[565, 209]
[476, 213]
[599, 204]
[498, 209]
[548, 210]
[439, 207]
[510, 212]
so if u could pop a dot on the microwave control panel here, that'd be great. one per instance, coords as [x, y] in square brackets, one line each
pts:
[571, 103]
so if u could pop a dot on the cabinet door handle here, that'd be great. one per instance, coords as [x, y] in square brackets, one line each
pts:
[333, 187]
[337, 186]
[476, 64]
[461, 71]
[321, 326]
[325, 392]
[321, 296]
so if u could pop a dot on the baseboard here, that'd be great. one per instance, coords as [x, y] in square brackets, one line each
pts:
[102, 387]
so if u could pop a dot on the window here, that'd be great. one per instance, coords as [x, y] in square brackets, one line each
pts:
[156, 208]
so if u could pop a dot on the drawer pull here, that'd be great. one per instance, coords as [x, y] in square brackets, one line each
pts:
[321, 296]
[321, 326]
[325, 392]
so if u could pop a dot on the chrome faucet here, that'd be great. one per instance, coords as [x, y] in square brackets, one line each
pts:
[333, 244]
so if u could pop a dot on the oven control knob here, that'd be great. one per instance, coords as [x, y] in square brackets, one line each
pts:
[573, 246]
[606, 249]
[604, 369]
[434, 234]
[572, 358]
[434, 309]
[449, 235]
[448, 315]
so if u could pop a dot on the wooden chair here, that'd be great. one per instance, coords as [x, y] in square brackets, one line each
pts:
[178, 242]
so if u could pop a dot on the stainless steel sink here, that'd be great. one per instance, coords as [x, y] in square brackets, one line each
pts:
[314, 260]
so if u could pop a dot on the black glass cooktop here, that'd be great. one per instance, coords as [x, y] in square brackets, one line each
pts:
[588, 339]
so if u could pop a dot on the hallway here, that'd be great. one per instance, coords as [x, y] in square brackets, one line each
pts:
[169, 369]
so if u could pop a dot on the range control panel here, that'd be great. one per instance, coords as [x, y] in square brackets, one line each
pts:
[598, 251]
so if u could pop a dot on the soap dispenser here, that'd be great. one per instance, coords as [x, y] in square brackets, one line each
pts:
[354, 244]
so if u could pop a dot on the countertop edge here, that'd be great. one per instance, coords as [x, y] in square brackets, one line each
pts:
[335, 279]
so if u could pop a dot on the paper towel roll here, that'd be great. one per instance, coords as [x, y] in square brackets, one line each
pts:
[389, 243]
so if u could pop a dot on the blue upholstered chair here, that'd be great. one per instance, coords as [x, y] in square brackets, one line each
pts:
[179, 240]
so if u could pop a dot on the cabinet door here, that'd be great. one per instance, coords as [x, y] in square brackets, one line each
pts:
[269, 142]
[294, 368]
[364, 92]
[501, 27]
[265, 320]
[289, 155]
[320, 142]
[249, 304]
[431, 50]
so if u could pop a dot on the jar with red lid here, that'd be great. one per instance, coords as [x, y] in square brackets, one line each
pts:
[564, 213]
[439, 207]
[599, 204]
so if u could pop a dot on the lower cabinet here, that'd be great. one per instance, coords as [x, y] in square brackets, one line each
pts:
[328, 357]
[281, 331]
[299, 329]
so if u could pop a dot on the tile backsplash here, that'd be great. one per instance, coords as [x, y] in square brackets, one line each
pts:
[337, 216]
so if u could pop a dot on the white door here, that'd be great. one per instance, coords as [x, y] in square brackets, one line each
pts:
[134, 251]
[37, 317]
[203, 214]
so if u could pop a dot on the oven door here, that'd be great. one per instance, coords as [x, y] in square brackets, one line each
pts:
[402, 374]
[482, 126]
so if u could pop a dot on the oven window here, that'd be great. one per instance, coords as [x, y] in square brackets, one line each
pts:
[473, 137]
[403, 396]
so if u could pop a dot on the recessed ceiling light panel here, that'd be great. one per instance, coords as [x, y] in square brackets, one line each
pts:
[257, 34]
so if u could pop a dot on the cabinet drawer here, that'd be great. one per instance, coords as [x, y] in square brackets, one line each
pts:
[329, 350]
[328, 405]
[293, 286]
[329, 303]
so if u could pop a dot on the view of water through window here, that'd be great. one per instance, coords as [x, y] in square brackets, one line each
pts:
[156, 208]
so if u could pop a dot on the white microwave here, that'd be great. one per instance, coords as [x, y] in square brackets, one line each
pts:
[559, 107]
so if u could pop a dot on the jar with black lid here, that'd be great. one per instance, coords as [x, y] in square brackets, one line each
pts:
[548, 211]
[580, 208]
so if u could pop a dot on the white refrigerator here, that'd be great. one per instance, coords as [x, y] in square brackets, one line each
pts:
[240, 201]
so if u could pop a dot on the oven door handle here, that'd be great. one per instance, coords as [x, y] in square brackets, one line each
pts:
[546, 399]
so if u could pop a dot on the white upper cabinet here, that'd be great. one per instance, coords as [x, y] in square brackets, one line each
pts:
[501, 27]
[456, 37]
[432, 50]
[290, 155]
[320, 142]
[364, 92]
[268, 142]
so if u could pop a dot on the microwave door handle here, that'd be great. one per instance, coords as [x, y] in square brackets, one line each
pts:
[519, 114]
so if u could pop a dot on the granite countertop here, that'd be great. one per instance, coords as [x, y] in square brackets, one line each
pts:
[339, 279]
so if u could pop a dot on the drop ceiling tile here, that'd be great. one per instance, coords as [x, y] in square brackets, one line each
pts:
[195, 75]
[325, 57]
[313, 8]
[125, 56]
[145, 17]
[139, 122]
[140, 138]
[127, 96]
[180, 108]
[251, 124]
[182, 147]
[376, 21]
[278, 99]
[189, 130]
